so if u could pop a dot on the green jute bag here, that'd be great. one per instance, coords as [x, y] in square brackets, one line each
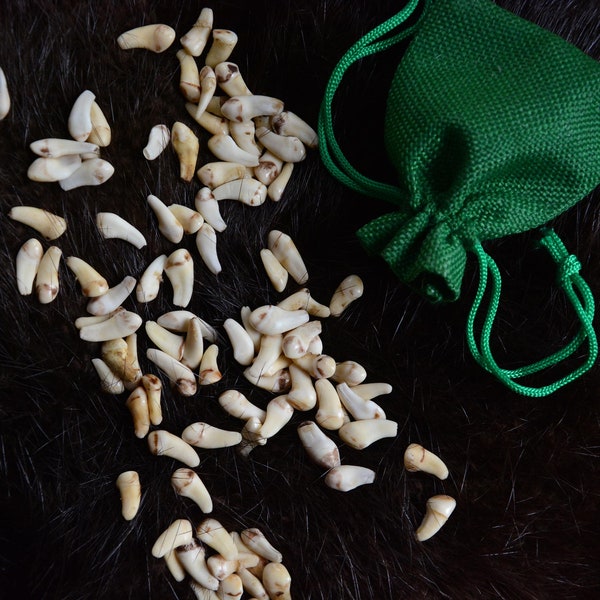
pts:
[493, 126]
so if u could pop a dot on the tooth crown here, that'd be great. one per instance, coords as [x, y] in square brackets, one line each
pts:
[156, 38]
[439, 508]
[128, 484]
[111, 225]
[417, 458]
[158, 140]
[27, 263]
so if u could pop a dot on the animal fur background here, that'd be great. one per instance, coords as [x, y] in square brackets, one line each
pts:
[525, 472]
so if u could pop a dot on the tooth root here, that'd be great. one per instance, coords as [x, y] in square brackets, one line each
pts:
[4, 96]
[168, 342]
[158, 139]
[368, 391]
[101, 134]
[174, 566]
[153, 386]
[302, 299]
[302, 395]
[417, 458]
[208, 207]
[224, 148]
[356, 406]
[186, 146]
[245, 108]
[439, 508]
[238, 406]
[348, 477]
[113, 298]
[163, 443]
[46, 280]
[27, 263]
[288, 123]
[206, 242]
[186, 483]
[213, 534]
[192, 557]
[330, 414]
[277, 581]
[91, 172]
[284, 249]
[278, 185]
[209, 370]
[156, 38]
[119, 325]
[288, 148]
[214, 174]
[115, 353]
[190, 220]
[53, 169]
[360, 434]
[178, 320]
[231, 588]
[223, 43]
[80, 118]
[269, 168]
[189, 81]
[109, 382]
[212, 123]
[178, 533]
[203, 435]
[128, 484]
[179, 268]
[111, 226]
[230, 80]
[208, 85]
[241, 342]
[319, 366]
[349, 290]
[256, 541]
[91, 282]
[57, 147]
[272, 320]
[137, 403]
[247, 191]
[179, 374]
[349, 372]
[196, 38]
[295, 342]
[168, 225]
[276, 383]
[193, 348]
[321, 449]
[279, 412]
[49, 225]
[149, 285]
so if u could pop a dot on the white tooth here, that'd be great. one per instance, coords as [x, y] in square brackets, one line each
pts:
[113, 298]
[417, 458]
[149, 283]
[156, 38]
[163, 443]
[186, 483]
[224, 148]
[178, 533]
[238, 406]
[244, 108]
[115, 353]
[303, 299]
[241, 342]
[179, 374]
[203, 593]
[27, 263]
[295, 343]
[284, 249]
[53, 169]
[174, 566]
[230, 80]
[4, 96]
[80, 118]
[256, 541]
[168, 342]
[319, 366]
[222, 568]
[81, 322]
[247, 191]
[209, 370]
[269, 168]
[231, 588]
[208, 85]
[190, 220]
[158, 139]
[189, 81]
[192, 557]
[137, 403]
[368, 391]
[119, 325]
[91, 172]
[206, 242]
[277, 187]
[330, 414]
[195, 39]
[133, 362]
[91, 282]
[356, 406]
[360, 434]
[256, 336]
[203, 435]
[179, 268]
[288, 148]
[439, 508]
[224, 42]
[316, 345]
[279, 364]
[208, 207]
[270, 349]
[271, 320]
[276, 383]
[212, 123]
[186, 146]
[348, 477]
[252, 585]
[302, 395]
[243, 135]
[214, 174]
[277, 581]
[213, 534]
[101, 134]
[288, 123]
[109, 382]
[275, 271]
[128, 484]
[321, 449]
[56, 147]
[178, 320]
[193, 348]
[111, 226]
[349, 290]
[153, 387]
[349, 372]
[279, 412]
[46, 279]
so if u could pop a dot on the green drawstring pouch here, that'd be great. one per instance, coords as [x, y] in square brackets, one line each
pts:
[493, 126]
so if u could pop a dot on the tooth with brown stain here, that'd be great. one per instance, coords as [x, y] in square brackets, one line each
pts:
[231, 588]
[158, 139]
[295, 342]
[133, 362]
[356, 406]
[256, 542]
[349, 372]
[101, 134]
[286, 252]
[168, 225]
[46, 279]
[238, 406]
[368, 391]
[115, 353]
[91, 282]
[269, 168]
[223, 43]
[247, 191]
[360, 434]
[81, 322]
[121, 324]
[209, 370]
[319, 366]
[277, 581]
[212, 123]
[214, 174]
[180, 375]
[321, 449]
[256, 336]
[251, 437]
[269, 351]
[208, 207]
[80, 117]
[178, 320]
[27, 263]
[330, 414]
[202, 593]
[193, 348]
[192, 557]
[186, 146]
[417, 458]
[230, 80]
[190, 220]
[112, 225]
[213, 534]
[4, 96]
[188, 484]
[156, 38]
[196, 38]
[288, 123]
[128, 484]
[245, 108]
[163, 443]
[53, 169]
[243, 135]
[189, 80]
[302, 395]
[348, 477]
[241, 342]
[288, 148]
[438, 511]
[349, 290]
[272, 320]
[276, 383]
[168, 342]
[137, 403]
[149, 284]
[277, 275]
[279, 412]
[178, 533]
[109, 382]
[113, 298]
[225, 149]
[252, 585]
[222, 568]
[203, 435]
[153, 386]
[208, 85]
[57, 147]
[278, 185]
[206, 243]
[179, 268]
[303, 299]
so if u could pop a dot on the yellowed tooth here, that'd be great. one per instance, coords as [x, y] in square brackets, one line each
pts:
[189, 81]
[206, 242]
[277, 581]
[223, 43]
[212, 123]
[111, 226]
[356, 406]
[368, 391]
[230, 80]
[279, 412]
[214, 105]
[168, 225]
[286, 252]
[202, 593]
[225, 149]
[278, 185]
[149, 284]
[214, 174]
[179, 268]
[91, 282]
[243, 135]
[302, 395]
[277, 275]
[439, 508]
[330, 414]
[251, 436]
[256, 336]
[209, 370]
[276, 383]
[153, 387]
[231, 588]
[252, 585]
[208, 207]
[4, 96]
[121, 324]
[56, 147]
[192, 557]
[156, 38]
[303, 300]
[53, 169]
[137, 403]
[245, 108]
[360, 434]
[349, 372]
[46, 279]
[213, 534]
[255, 540]
[163, 443]
[113, 298]
[186, 146]
[115, 353]
[271, 320]
[316, 345]
[158, 139]
[168, 342]
[348, 477]
[101, 133]
[295, 342]
[47, 224]
[175, 567]
[186, 483]
[349, 290]
[109, 382]
[208, 85]
[178, 320]
[319, 366]
[193, 348]
[270, 349]
[321, 449]
[238, 406]
[27, 263]
[222, 568]
[203, 435]
[81, 322]
[288, 123]
[179, 374]
[128, 484]
[241, 342]
[269, 168]
[247, 191]
[178, 533]
[133, 362]
[288, 148]
[190, 220]
[417, 458]
[196, 38]
[80, 117]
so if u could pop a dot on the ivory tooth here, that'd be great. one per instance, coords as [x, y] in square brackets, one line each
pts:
[208, 207]
[319, 366]
[4, 96]
[243, 135]
[286, 252]
[356, 406]
[231, 588]
[208, 85]
[137, 403]
[269, 168]
[192, 557]
[256, 336]
[203, 593]
[288, 123]
[178, 320]
[212, 123]
[189, 81]
[101, 134]
[190, 220]
[302, 299]
[57, 147]
[188, 484]
[128, 484]
[213, 534]
[277, 581]
[279, 364]
[174, 566]
[132, 361]
[168, 342]
[330, 414]
[214, 174]
[119, 325]
[276, 383]
[163, 443]
[186, 146]
[238, 406]
[222, 46]
[247, 191]
[438, 511]
[316, 345]
[179, 268]
[222, 568]
[269, 351]
[115, 353]
[224, 148]
[360, 434]
[295, 342]
[203, 435]
[271, 320]
[214, 105]
[81, 322]
[417, 458]
[180, 375]
[277, 275]
[251, 432]
[111, 226]
[279, 412]
[46, 279]
[196, 38]
[53, 169]
[109, 382]
[80, 118]
[252, 585]
[27, 263]
[206, 242]
[348, 477]
[209, 370]
[278, 185]
[156, 38]
[349, 372]
[302, 395]
[193, 348]
[149, 284]
[321, 449]
[158, 139]
[153, 386]
[113, 298]
[368, 391]
[241, 342]
[349, 290]
[230, 79]
[254, 539]
[92, 283]
[288, 148]
[178, 533]
[245, 108]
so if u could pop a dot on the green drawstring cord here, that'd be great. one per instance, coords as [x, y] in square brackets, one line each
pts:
[577, 292]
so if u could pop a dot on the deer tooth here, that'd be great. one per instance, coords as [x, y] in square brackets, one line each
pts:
[178, 320]
[277, 275]
[212, 123]
[80, 117]
[319, 366]
[288, 123]
[286, 252]
[132, 361]
[186, 146]
[206, 242]
[209, 370]
[251, 437]
[241, 342]
[349, 372]
[208, 207]
[149, 284]
[222, 46]
[439, 508]
[360, 434]
[214, 174]
[113, 298]
[269, 168]
[57, 147]
[243, 135]
[46, 279]
[271, 319]
[278, 185]
[202, 593]
[81, 322]
[186, 483]
[178, 533]
[101, 134]
[330, 414]
[222, 568]
[27, 263]
[321, 449]
[302, 395]
[230, 79]
[270, 349]
[348, 477]
[180, 375]
[368, 391]
[316, 345]
[91, 172]
[156, 38]
[109, 382]
[189, 81]
[349, 290]
[174, 566]
[254, 539]
[111, 226]
[276, 383]
[208, 85]
[121, 324]
[128, 484]
[53, 169]
[179, 268]
[247, 191]
[356, 406]
[153, 386]
[115, 353]
[137, 403]
[195, 39]
[192, 557]
[190, 220]
[213, 534]
[302, 299]
[231, 588]
[252, 585]
[168, 342]
[277, 581]
[295, 342]
[224, 148]
[193, 348]
[417, 458]
[238, 406]
[163, 443]
[288, 148]
[279, 412]
[4, 96]
[203, 435]
[158, 139]
[245, 108]
[256, 336]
